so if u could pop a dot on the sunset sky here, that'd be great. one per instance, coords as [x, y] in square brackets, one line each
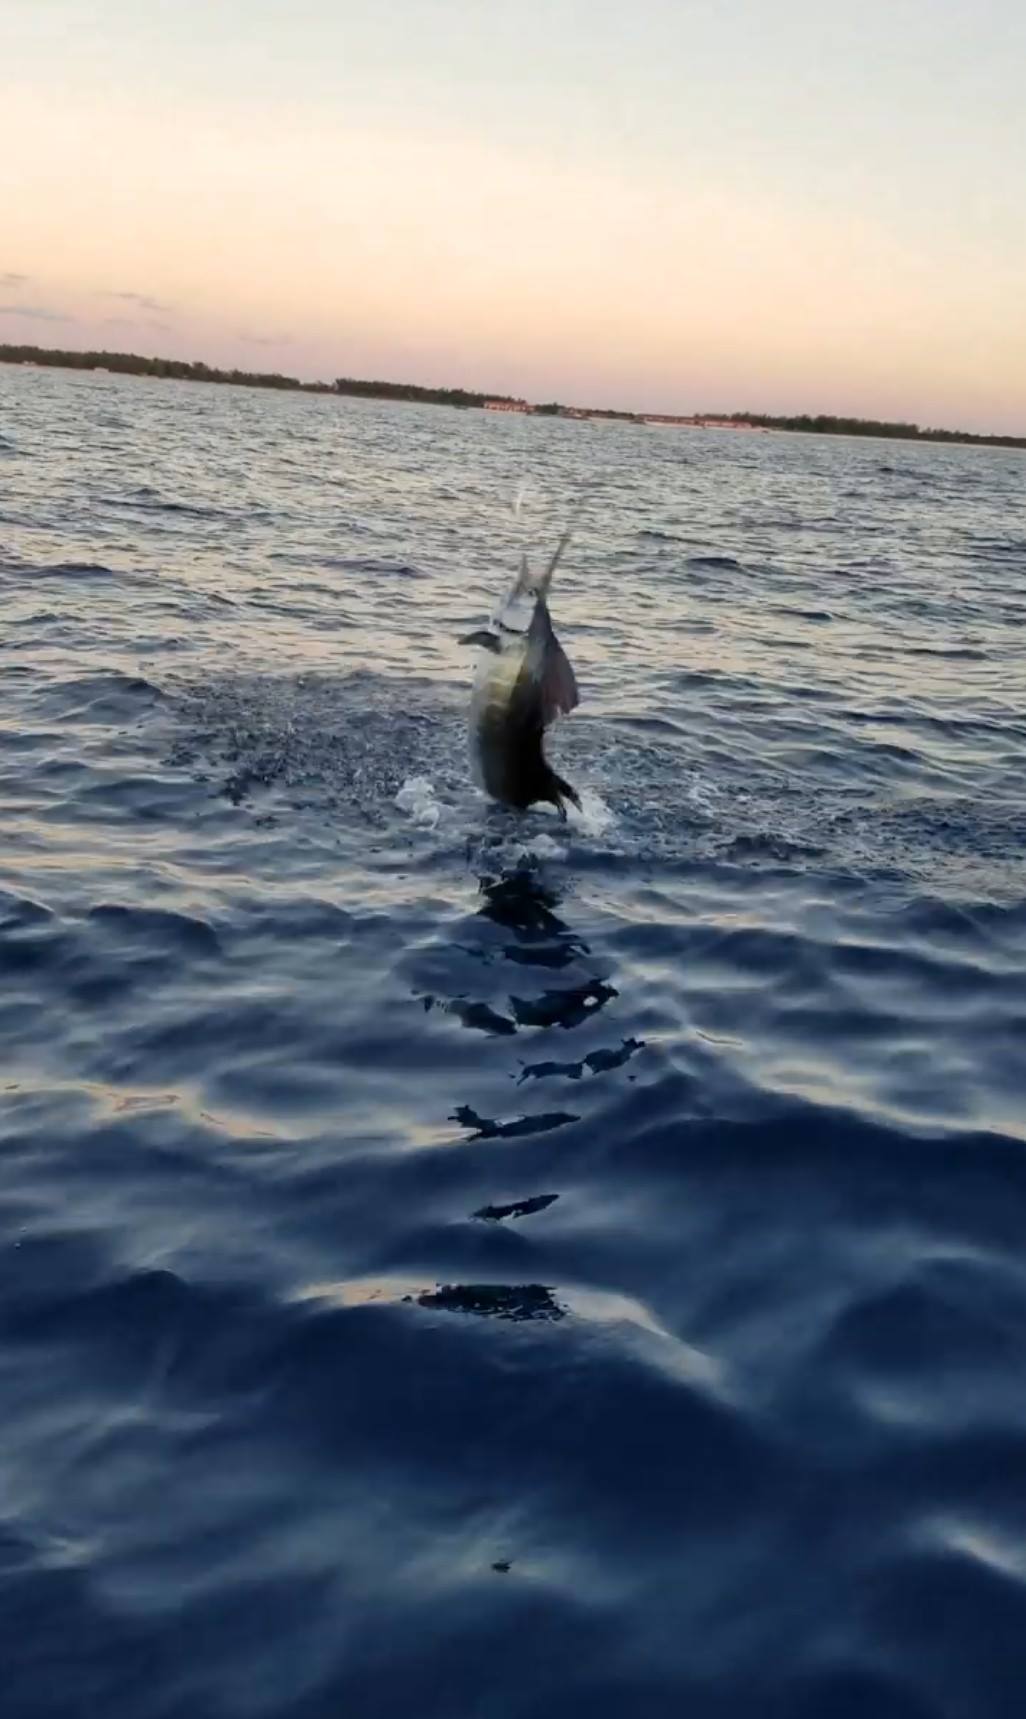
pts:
[672, 204]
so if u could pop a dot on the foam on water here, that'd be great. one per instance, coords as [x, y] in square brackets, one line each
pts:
[542, 846]
[417, 798]
[594, 816]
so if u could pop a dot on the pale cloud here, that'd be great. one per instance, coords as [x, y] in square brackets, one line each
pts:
[12, 281]
[148, 323]
[140, 300]
[35, 313]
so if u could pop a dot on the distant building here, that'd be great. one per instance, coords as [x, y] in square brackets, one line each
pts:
[726, 424]
[506, 406]
[694, 423]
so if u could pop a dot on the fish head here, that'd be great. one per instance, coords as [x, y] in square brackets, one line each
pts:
[523, 610]
[514, 615]
[510, 624]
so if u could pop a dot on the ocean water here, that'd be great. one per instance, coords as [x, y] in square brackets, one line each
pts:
[468, 1266]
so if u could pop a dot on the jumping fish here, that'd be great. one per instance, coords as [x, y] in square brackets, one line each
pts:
[524, 681]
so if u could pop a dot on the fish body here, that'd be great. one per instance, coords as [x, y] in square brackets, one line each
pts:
[523, 682]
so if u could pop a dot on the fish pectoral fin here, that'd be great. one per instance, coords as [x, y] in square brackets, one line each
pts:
[558, 683]
[484, 640]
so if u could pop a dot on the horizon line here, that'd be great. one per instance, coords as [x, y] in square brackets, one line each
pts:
[177, 369]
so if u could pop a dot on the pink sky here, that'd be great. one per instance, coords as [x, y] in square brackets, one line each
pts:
[677, 207]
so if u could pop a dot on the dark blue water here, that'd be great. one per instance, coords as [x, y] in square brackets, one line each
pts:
[460, 1266]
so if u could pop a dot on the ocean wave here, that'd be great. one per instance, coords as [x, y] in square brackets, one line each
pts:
[430, 1231]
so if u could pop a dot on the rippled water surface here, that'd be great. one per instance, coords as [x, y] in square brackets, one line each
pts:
[460, 1265]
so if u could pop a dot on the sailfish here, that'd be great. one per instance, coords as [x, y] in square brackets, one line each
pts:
[523, 682]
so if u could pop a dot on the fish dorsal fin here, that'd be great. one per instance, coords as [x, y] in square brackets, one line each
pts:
[558, 689]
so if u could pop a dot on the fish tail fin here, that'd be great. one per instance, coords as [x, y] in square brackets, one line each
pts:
[561, 792]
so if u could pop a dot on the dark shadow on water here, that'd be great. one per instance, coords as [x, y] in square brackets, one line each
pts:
[526, 902]
[597, 1062]
[486, 1128]
[522, 903]
[495, 1300]
[480, 1018]
[566, 1007]
[518, 1208]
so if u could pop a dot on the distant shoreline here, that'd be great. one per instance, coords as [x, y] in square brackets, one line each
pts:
[173, 369]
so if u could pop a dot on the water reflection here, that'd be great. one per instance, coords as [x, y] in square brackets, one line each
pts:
[567, 1007]
[488, 1128]
[495, 1300]
[525, 905]
[597, 1062]
[521, 902]
[480, 1018]
[525, 902]
[517, 1208]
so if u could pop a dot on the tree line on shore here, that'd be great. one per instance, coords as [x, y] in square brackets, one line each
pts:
[822, 424]
[132, 364]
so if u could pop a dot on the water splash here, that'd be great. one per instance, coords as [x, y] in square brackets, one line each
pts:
[417, 797]
[595, 817]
